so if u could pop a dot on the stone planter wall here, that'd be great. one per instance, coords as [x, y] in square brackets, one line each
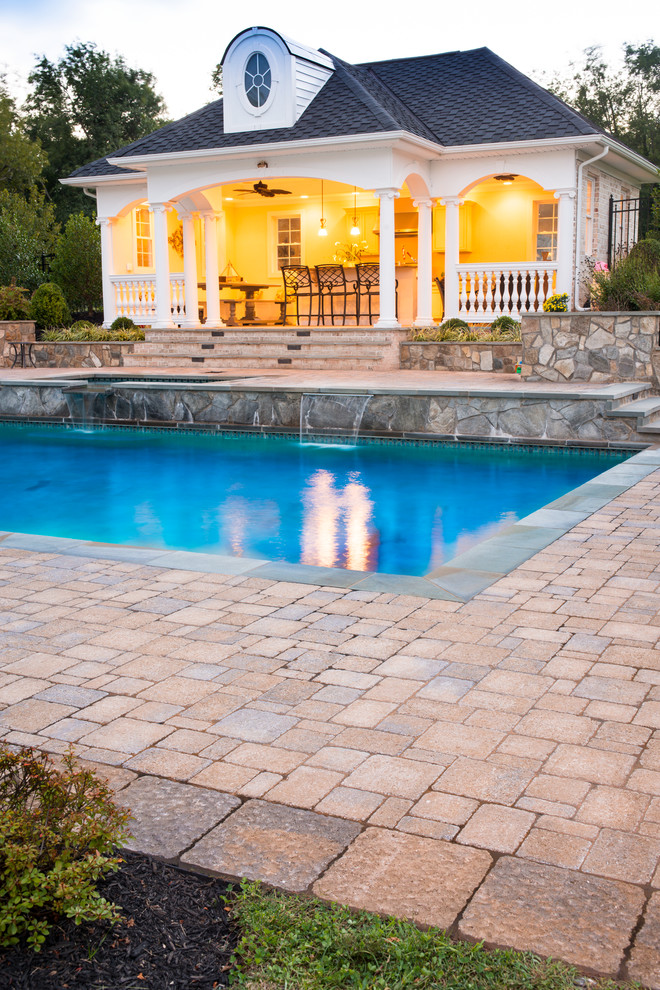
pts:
[460, 356]
[591, 347]
[76, 354]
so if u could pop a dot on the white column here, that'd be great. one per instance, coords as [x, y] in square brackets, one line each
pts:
[424, 263]
[163, 319]
[565, 235]
[387, 274]
[211, 254]
[452, 255]
[191, 295]
[109, 305]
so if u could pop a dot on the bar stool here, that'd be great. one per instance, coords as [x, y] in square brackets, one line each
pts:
[298, 283]
[368, 285]
[333, 285]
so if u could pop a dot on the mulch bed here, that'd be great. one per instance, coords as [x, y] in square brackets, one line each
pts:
[175, 932]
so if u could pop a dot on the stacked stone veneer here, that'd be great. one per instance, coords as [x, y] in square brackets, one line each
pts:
[553, 418]
[13, 332]
[591, 347]
[75, 354]
[460, 356]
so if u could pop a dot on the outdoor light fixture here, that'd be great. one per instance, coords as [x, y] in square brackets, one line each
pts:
[506, 179]
[355, 229]
[322, 232]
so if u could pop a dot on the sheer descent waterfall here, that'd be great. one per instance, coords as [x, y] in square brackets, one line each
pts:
[332, 413]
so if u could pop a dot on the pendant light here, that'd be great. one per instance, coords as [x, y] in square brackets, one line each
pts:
[322, 232]
[355, 229]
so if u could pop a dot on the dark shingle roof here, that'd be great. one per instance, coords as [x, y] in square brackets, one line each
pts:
[459, 98]
[476, 97]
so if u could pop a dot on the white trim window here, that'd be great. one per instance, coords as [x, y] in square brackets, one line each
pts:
[144, 245]
[546, 225]
[288, 239]
[589, 193]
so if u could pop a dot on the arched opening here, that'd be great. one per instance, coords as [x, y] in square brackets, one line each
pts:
[503, 255]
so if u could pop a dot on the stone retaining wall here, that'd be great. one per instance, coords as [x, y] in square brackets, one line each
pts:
[460, 356]
[547, 418]
[591, 347]
[75, 354]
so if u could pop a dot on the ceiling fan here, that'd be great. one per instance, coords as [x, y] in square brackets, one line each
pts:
[262, 189]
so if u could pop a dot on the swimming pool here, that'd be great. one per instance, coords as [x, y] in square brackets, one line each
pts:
[394, 508]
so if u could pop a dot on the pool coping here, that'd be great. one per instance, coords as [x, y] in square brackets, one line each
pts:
[457, 580]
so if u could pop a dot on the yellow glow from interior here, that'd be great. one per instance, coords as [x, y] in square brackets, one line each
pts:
[337, 524]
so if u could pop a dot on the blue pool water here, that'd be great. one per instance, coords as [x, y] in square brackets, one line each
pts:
[397, 508]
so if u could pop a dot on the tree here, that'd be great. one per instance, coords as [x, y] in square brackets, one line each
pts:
[83, 107]
[21, 160]
[624, 102]
[76, 266]
[28, 236]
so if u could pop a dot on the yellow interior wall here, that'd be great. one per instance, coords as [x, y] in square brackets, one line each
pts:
[123, 245]
[503, 222]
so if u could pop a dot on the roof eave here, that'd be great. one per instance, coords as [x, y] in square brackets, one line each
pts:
[95, 180]
[394, 138]
[637, 165]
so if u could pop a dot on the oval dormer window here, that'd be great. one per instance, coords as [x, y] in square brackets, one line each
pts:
[257, 79]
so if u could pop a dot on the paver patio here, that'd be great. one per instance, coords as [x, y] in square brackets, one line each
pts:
[492, 767]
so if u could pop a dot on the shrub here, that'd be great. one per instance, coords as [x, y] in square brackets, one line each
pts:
[122, 323]
[504, 328]
[91, 333]
[14, 304]
[48, 306]
[634, 284]
[557, 303]
[82, 325]
[58, 833]
[76, 266]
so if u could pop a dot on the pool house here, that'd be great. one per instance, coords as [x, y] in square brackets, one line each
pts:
[386, 194]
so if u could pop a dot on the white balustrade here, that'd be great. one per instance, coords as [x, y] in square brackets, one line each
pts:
[135, 297]
[507, 289]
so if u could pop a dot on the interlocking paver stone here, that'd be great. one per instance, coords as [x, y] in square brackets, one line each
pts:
[495, 827]
[483, 781]
[644, 962]
[393, 776]
[582, 919]
[623, 856]
[426, 880]
[254, 726]
[127, 735]
[169, 816]
[282, 846]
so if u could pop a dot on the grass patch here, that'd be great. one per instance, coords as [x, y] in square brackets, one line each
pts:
[290, 943]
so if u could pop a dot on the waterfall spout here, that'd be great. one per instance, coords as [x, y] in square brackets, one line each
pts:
[332, 414]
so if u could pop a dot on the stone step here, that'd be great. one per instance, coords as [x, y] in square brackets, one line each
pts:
[361, 362]
[648, 406]
[255, 335]
[264, 351]
[645, 410]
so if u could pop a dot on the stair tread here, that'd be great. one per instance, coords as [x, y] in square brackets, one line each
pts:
[637, 407]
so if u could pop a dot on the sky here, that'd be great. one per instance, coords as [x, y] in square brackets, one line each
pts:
[181, 41]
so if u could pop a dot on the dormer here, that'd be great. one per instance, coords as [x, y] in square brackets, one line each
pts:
[268, 80]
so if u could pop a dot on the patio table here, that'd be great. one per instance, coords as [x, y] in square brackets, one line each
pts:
[248, 289]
